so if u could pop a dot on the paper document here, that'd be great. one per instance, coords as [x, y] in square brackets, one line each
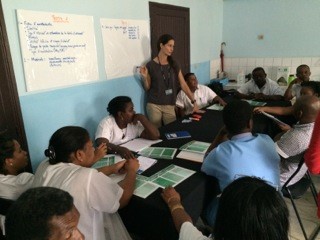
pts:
[108, 160]
[138, 144]
[169, 176]
[111, 159]
[145, 163]
[195, 146]
[256, 103]
[273, 118]
[158, 152]
[192, 156]
[193, 151]
[216, 106]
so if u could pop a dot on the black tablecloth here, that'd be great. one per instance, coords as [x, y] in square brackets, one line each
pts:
[150, 218]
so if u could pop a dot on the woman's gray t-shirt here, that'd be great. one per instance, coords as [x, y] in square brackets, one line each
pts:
[164, 84]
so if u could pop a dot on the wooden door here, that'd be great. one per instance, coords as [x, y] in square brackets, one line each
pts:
[11, 122]
[175, 21]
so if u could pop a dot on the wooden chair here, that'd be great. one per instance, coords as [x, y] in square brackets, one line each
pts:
[296, 191]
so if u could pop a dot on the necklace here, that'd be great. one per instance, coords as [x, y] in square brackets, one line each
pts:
[124, 132]
[166, 80]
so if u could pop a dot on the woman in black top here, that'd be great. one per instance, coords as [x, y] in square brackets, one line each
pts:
[162, 78]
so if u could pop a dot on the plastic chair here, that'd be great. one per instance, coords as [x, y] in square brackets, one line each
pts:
[296, 191]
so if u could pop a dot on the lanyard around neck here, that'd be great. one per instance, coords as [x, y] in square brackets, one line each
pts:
[166, 80]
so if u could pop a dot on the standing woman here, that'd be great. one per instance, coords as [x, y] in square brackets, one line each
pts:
[161, 79]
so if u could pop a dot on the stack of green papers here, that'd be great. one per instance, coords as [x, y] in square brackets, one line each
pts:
[105, 161]
[196, 146]
[158, 152]
[169, 176]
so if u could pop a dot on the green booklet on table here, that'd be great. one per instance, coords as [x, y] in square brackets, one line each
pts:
[193, 151]
[169, 176]
[107, 160]
[195, 146]
[158, 152]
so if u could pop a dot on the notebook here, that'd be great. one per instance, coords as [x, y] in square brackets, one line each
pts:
[178, 134]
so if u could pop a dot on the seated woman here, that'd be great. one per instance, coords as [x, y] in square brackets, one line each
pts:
[13, 181]
[96, 196]
[249, 209]
[123, 125]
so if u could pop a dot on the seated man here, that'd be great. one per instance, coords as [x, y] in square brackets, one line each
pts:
[292, 144]
[260, 87]
[43, 213]
[202, 94]
[308, 88]
[237, 152]
[303, 75]
[249, 209]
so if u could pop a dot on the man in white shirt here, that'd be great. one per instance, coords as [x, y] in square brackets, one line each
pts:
[260, 87]
[203, 96]
[303, 75]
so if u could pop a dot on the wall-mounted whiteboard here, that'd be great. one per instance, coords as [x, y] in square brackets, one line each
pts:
[57, 49]
[126, 45]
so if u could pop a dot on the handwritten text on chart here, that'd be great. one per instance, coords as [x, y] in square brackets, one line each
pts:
[54, 61]
[42, 42]
[131, 31]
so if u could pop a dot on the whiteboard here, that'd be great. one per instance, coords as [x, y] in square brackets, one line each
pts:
[126, 45]
[57, 49]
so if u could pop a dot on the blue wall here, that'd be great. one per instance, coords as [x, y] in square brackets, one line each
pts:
[84, 105]
[290, 28]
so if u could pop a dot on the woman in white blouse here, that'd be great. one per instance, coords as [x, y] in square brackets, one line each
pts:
[13, 181]
[122, 125]
[96, 196]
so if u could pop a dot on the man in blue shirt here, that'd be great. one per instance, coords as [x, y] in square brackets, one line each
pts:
[236, 152]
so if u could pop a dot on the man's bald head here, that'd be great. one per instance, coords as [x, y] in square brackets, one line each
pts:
[306, 109]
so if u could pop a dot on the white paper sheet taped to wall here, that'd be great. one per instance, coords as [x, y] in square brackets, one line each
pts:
[126, 45]
[58, 49]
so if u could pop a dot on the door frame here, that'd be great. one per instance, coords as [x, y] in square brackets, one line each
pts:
[10, 88]
[166, 10]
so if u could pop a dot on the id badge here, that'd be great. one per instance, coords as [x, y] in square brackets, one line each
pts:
[168, 91]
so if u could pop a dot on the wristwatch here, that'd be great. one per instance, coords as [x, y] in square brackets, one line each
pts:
[193, 101]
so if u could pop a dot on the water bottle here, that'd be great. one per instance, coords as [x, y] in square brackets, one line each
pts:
[290, 78]
[241, 78]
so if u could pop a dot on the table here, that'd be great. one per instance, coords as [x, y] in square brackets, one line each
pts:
[150, 218]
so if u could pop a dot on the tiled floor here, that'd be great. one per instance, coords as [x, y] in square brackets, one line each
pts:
[308, 211]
